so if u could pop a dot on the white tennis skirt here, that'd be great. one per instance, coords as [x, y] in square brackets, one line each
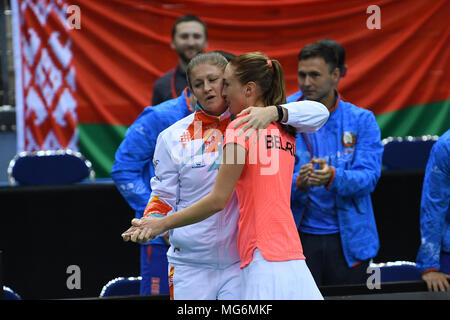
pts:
[278, 280]
[193, 282]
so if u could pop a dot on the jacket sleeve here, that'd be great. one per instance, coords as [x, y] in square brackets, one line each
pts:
[360, 177]
[164, 184]
[306, 116]
[434, 207]
[133, 162]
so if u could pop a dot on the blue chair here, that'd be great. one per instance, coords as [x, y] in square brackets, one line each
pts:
[122, 287]
[9, 294]
[398, 271]
[49, 168]
[409, 153]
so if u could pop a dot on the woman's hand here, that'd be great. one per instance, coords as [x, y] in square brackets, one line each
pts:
[256, 118]
[144, 229]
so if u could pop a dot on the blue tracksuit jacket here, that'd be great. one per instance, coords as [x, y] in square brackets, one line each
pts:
[435, 206]
[350, 141]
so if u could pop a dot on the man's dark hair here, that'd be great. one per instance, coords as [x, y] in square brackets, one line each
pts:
[340, 51]
[189, 18]
[320, 50]
[228, 55]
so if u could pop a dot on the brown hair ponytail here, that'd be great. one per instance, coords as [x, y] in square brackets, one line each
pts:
[268, 74]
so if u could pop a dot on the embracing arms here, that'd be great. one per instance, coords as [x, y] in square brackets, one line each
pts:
[147, 228]
[304, 116]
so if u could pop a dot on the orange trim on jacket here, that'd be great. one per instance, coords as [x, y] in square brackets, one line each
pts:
[157, 206]
[430, 270]
[332, 177]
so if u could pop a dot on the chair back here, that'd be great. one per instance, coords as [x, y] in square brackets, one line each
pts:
[9, 294]
[398, 271]
[122, 287]
[409, 153]
[49, 168]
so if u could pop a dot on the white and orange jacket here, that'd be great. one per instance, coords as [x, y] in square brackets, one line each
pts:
[186, 160]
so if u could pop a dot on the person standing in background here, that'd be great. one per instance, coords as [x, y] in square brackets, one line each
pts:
[433, 257]
[336, 170]
[189, 38]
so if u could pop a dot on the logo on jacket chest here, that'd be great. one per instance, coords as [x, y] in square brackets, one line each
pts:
[348, 139]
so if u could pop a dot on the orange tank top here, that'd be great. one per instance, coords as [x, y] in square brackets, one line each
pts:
[264, 192]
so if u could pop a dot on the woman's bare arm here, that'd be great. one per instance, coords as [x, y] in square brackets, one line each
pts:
[147, 228]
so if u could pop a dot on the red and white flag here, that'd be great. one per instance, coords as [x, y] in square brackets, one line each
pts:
[45, 76]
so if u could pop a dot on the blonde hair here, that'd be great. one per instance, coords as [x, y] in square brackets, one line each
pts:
[212, 58]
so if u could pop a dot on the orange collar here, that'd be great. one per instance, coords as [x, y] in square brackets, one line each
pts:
[207, 119]
[209, 127]
[336, 104]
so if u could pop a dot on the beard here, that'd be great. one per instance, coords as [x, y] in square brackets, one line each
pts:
[186, 59]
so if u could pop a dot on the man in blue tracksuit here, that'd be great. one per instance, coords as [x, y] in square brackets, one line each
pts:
[132, 171]
[336, 170]
[433, 258]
